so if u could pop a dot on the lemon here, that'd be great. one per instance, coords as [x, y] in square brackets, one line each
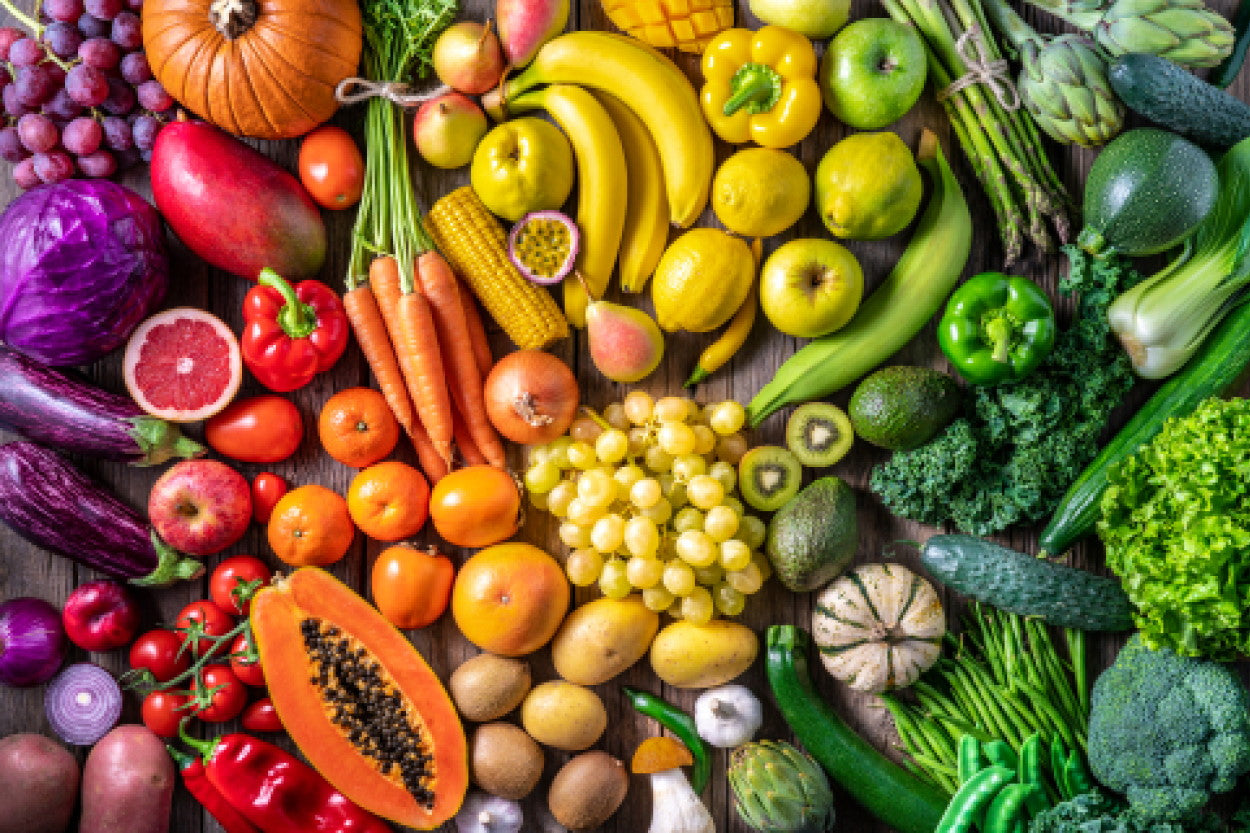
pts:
[760, 192]
[868, 186]
[702, 279]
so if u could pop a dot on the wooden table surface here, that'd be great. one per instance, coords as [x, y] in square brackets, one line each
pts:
[26, 570]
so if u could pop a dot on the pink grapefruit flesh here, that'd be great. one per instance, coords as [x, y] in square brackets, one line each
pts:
[183, 365]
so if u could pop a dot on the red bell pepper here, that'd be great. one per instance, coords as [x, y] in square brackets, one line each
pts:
[291, 333]
[277, 792]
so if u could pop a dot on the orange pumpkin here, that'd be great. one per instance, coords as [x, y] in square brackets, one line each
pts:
[509, 599]
[260, 68]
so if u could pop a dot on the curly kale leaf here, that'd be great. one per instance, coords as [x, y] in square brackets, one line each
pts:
[1095, 813]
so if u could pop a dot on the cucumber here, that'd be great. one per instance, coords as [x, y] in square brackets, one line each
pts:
[1216, 367]
[1147, 191]
[1019, 583]
[886, 790]
[1182, 102]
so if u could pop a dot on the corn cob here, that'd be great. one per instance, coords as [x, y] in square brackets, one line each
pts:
[475, 245]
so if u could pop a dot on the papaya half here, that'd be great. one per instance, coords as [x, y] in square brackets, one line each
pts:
[359, 701]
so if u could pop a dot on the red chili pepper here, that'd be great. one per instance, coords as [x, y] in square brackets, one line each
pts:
[193, 778]
[277, 792]
[290, 333]
[262, 717]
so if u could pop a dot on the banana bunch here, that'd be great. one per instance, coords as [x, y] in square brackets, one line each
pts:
[644, 152]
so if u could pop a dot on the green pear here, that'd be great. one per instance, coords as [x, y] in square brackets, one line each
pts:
[814, 18]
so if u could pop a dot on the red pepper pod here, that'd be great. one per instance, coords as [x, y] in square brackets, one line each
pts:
[196, 782]
[277, 792]
[291, 333]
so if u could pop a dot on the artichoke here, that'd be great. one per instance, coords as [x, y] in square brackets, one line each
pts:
[778, 788]
[1064, 85]
[1184, 31]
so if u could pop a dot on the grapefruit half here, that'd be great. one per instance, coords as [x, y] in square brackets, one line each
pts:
[183, 365]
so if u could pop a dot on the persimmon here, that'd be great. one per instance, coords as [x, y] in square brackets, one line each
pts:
[311, 526]
[476, 506]
[389, 501]
[411, 587]
[357, 427]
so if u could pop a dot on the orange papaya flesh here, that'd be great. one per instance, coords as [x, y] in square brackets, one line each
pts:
[359, 701]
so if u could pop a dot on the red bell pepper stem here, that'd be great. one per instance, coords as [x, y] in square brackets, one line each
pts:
[193, 778]
[296, 318]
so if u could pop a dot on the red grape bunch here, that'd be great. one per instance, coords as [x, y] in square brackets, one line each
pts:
[78, 97]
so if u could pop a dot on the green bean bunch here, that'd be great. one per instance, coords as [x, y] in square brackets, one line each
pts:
[1005, 681]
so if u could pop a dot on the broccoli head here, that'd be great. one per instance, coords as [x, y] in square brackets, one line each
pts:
[1168, 731]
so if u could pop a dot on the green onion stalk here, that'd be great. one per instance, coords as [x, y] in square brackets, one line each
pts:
[1003, 143]
[1006, 681]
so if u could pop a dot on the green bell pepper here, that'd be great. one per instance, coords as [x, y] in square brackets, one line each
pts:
[997, 328]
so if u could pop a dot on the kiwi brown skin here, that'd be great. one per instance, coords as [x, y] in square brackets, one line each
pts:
[769, 477]
[504, 760]
[486, 687]
[819, 434]
[588, 790]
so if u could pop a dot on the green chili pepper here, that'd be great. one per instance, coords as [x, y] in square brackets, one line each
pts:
[1007, 808]
[970, 761]
[1000, 753]
[973, 797]
[680, 724]
[997, 328]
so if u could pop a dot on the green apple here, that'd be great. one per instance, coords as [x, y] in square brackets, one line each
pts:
[814, 18]
[523, 165]
[810, 287]
[873, 72]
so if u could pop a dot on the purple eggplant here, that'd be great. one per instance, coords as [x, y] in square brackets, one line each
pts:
[50, 503]
[46, 406]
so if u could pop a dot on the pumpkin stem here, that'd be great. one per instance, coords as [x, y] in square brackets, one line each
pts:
[233, 18]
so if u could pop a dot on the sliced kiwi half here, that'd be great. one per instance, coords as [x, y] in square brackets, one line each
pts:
[769, 476]
[819, 434]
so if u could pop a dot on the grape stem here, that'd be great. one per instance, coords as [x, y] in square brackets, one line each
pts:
[26, 20]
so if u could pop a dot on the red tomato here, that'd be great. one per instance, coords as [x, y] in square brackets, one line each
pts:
[331, 168]
[261, 429]
[261, 717]
[245, 663]
[160, 652]
[208, 620]
[162, 711]
[267, 490]
[227, 697]
[238, 574]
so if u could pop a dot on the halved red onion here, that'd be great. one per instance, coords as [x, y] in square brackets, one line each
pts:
[83, 703]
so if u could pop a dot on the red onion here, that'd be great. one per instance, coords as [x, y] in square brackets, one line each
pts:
[83, 703]
[32, 641]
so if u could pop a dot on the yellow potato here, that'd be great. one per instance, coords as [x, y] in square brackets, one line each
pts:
[701, 656]
[564, 715]
[603, 638]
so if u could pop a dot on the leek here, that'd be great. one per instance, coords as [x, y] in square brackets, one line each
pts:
[1163, 320]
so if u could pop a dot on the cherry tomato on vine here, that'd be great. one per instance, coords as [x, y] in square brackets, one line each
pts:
[267, 490]
[331, 168]
[206, 619]
[261, 717]
[237, 574]
[248, 672]
[162, 711]
[160, 652]
[224, 694]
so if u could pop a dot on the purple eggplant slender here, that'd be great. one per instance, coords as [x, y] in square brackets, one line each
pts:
[46, 406]
[53, 505]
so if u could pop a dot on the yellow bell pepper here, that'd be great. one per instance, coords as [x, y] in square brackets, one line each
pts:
[761, 86]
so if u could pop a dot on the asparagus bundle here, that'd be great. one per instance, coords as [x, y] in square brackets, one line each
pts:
[997, 134]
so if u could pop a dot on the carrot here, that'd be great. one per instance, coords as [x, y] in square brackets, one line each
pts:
[469, 452]
[416, 346]
[477, 331]
[439, 284]
[434, 466]
[370, 329]
[384, 278]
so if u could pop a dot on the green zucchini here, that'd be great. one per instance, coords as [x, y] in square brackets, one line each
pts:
[1216, 367]
[1177, 99]
[1147, 191]
[1028, 586]
[886, 790]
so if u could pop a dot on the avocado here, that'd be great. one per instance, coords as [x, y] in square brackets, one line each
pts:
[901, 408]
[813, 538]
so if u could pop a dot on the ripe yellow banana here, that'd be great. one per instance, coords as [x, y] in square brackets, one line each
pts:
[602, 183]
[654, 88]
[646, 209]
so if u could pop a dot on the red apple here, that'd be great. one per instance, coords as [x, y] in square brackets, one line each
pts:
[100, 616]
[200, 506]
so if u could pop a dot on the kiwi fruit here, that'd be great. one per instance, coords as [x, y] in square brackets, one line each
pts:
[487, 687]
[588, 790]
[819, 434]
[769, 476]
[505, 761]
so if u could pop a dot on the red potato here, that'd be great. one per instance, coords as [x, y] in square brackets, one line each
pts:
[40, 779]
[127, 783]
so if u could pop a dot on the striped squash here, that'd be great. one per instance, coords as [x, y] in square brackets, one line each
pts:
[879, 627]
